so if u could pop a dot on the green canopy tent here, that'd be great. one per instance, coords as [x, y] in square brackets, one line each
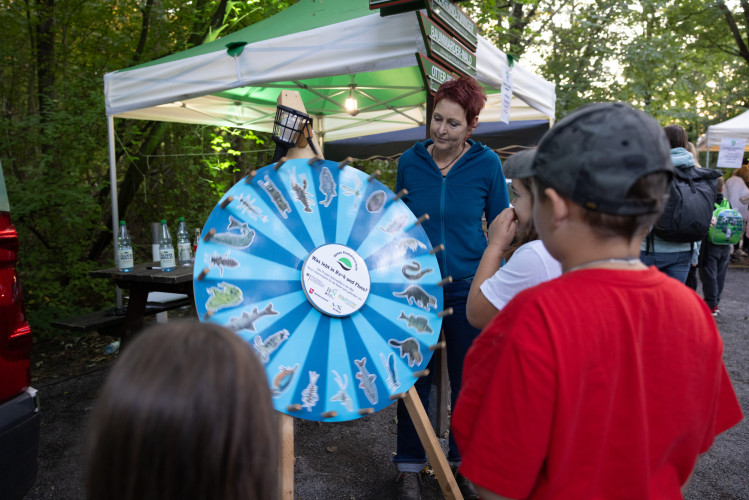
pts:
[328, 50]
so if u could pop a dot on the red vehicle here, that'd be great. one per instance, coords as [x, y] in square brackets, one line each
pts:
[19, 409]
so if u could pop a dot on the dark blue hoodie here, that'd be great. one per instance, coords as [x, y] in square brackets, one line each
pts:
[474, 186]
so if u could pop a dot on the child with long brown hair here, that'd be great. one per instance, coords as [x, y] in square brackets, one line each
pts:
[185, 413]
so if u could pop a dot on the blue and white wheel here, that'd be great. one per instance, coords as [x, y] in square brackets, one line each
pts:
[330, 279]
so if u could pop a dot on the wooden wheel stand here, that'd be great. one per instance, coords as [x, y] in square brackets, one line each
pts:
[423, 428]
[416, 410]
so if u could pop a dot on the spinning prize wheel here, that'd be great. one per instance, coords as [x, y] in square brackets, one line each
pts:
[330, 278]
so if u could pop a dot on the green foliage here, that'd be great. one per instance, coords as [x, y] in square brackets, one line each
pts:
[678, 61]
[56, 163]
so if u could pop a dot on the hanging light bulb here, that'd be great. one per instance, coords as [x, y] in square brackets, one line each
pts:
[351, 104]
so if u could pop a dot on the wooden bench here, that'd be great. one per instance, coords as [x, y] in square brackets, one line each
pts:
[107, 321]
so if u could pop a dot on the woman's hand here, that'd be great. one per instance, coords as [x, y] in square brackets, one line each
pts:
[503, 228]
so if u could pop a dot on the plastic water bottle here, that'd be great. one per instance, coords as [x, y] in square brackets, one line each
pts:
[184, 247]
[124, 249]
[197, 240]
[112, 347]
[166, 249]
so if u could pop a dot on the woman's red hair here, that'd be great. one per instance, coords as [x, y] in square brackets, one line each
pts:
[464, 91]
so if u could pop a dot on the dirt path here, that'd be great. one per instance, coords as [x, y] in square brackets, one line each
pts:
[348, 460]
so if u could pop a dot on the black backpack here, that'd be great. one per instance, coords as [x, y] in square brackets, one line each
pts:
[689, 208]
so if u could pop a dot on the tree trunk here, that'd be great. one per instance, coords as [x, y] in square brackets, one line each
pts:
[45, 66]
[154, 131]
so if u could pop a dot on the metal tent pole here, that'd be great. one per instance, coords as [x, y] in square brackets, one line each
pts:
[113, 190]
[707, 140]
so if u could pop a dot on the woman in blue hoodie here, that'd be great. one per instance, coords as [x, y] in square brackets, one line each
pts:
[457, 182]
[670, 257]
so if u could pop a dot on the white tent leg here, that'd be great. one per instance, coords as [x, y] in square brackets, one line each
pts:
[113, 190]
[707, 156]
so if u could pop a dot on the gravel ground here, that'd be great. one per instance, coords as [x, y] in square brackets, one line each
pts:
[353, 460]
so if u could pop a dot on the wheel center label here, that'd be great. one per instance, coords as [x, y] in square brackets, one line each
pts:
[336, 280]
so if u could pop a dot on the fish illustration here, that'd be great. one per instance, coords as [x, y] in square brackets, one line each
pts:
[418, 323]
[273, 342]
[249, 208]
[414, 272]
[353, 191]
[300, 191]
[389, 363]
[247, 320]
[409, 347]
[221, 261]
[405, 244]
[376, 201]
[223, 295]
[327, 186]
[276, 197]
[396, 224]
[416, 294]
[309, 394]
[243, 239]
[342, 396]
[283, 379]
[366, 380]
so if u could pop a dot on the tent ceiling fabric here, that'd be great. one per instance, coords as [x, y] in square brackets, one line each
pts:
[735, 128]
[319, 48]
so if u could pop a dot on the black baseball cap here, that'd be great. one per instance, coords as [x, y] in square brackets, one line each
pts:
[519, 165]
[594, 155]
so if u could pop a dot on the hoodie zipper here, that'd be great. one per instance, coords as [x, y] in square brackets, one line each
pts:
[442, 225]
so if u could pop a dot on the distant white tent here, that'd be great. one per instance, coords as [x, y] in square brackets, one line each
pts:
[735, 128]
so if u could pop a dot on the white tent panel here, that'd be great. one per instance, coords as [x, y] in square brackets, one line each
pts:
[180, 90]
[735, 128]
[365, 44]
[534, 91]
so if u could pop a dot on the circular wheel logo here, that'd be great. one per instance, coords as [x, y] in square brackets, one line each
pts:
[335, 279]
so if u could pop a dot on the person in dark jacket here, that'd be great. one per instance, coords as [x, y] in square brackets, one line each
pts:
[673, 258]
[713, 264]
[457, 182]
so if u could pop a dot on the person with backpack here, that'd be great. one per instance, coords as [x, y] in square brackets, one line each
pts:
[673, 243]
[716, 249]
[737, 189]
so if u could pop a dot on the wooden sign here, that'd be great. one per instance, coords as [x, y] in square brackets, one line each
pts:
[455, 20]
[433, 73]
[446, 49]
[390, 7]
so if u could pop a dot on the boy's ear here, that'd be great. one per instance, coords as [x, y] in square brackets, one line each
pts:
[559, 204]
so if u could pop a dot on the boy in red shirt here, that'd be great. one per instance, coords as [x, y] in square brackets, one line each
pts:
[607, 382]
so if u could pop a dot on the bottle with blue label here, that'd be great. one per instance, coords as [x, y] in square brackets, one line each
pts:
[184, 247]
[124, 249]
[166, 248]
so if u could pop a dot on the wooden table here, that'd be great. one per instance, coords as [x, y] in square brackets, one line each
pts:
[142, 280]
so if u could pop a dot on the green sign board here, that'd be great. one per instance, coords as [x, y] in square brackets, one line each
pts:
[433, 73]
[455, 20]
[445, 49]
